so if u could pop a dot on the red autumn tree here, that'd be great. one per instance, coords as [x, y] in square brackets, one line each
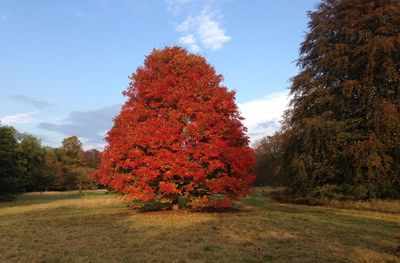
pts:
[178, 134]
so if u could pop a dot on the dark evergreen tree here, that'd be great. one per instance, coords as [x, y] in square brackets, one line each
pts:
[8, 162]
[31, 162]
[344, 126]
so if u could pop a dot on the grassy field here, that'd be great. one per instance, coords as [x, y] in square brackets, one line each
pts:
[96, 227]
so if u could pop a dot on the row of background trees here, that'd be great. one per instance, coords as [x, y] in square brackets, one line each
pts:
[26, 165]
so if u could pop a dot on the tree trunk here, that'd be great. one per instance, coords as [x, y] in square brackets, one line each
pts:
[175, 203]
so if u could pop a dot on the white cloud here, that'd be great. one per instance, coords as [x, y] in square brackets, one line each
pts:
[210, 32]
[205, 27]
[87, 144]
[201, 29]
[186, 25]
[189, 41]
[19, 118]
[97, 146]
[4, 17]
[263, 116]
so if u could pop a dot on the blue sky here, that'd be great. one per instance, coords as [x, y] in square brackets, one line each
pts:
[65, 63]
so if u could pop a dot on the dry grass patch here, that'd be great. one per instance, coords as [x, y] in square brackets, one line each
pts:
[100, 228]
[386, 206]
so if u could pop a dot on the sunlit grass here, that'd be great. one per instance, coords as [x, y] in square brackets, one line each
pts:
[386, 206]
[98, 227]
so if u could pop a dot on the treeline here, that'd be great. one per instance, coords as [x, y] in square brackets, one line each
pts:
[26, 165]
[341, 135]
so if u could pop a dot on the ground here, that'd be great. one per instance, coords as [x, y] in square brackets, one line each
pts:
[99, 227]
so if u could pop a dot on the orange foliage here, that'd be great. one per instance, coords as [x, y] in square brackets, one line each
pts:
[178, 134]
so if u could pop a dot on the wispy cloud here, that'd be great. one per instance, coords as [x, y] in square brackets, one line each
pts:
[89, 126]
[263, 116]
[176, 6]
[4, 17]
[37, 103]
[87, 144]
[190, 42]
[18, 118]
[201, 30]
[210, 32]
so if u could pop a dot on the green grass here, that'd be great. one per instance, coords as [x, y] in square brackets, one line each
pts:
[68, 227]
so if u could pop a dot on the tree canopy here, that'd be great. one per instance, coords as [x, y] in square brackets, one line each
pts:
[27, 166]
[344, 125]
[178, 134]
[269, 154]
[8, 162]
[31, 163]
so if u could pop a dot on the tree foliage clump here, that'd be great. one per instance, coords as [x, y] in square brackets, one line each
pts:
[76, 164]
[31, 158]
[178, 135]
[27, 166]
[344, 126]
[269, 159]
[8, 162]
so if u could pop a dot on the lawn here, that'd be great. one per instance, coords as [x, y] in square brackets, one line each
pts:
[98, 227]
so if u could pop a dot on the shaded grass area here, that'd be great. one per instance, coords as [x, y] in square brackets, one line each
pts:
[68, 227]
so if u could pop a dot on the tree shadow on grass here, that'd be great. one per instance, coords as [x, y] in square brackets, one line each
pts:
[326, 227]
[243, 238]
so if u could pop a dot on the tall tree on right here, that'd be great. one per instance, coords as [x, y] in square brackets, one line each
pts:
[343, 128]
